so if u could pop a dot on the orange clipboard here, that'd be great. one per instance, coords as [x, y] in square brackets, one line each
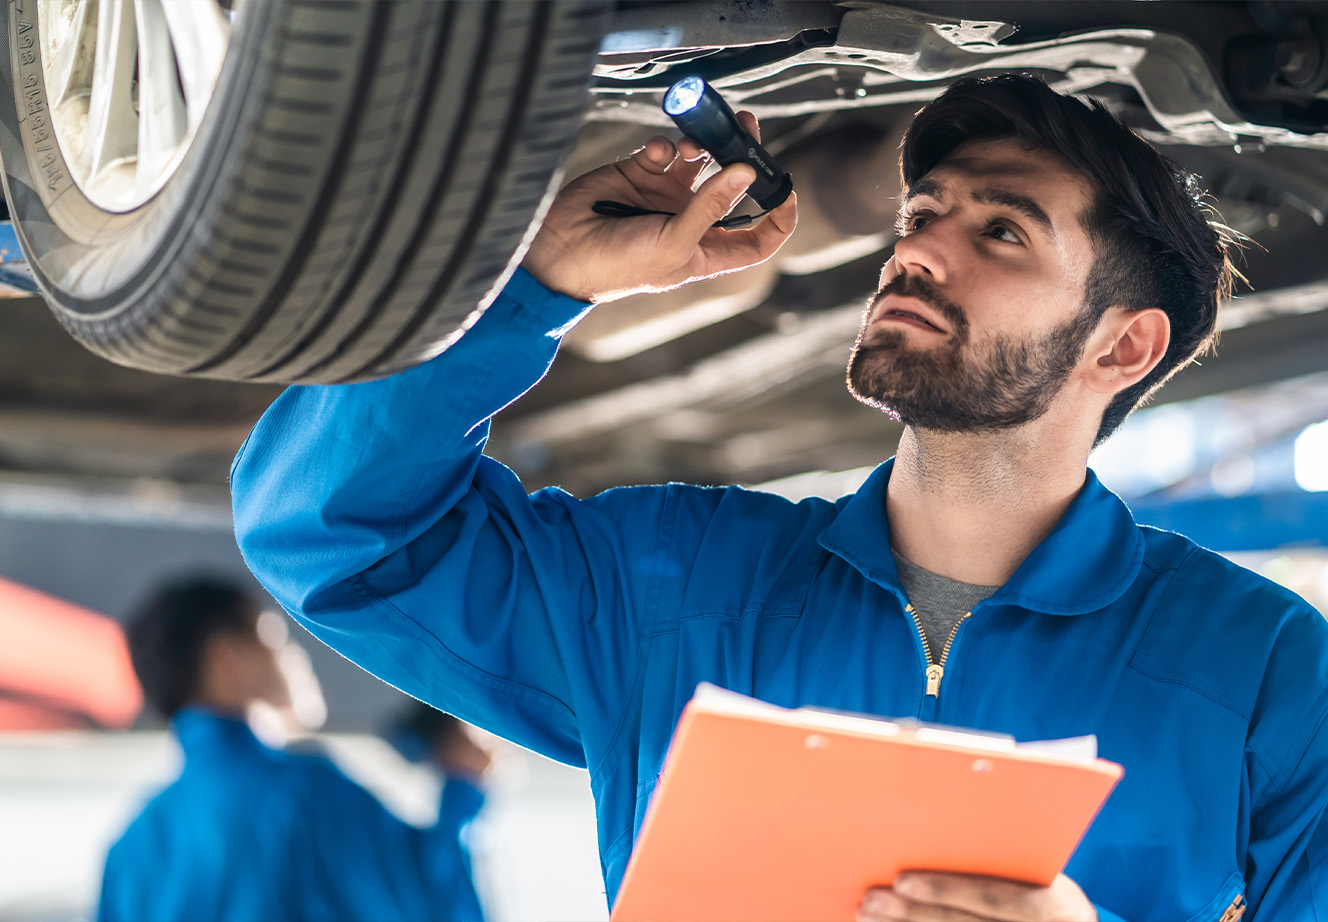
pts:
[765, 813]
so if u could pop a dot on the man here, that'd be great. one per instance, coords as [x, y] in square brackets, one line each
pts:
[250, 832]
[1052, 270]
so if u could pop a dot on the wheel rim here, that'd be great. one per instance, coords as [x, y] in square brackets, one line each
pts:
[128, 82]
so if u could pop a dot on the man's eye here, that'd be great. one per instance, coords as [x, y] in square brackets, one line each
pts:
[911, 222]
[999, 231]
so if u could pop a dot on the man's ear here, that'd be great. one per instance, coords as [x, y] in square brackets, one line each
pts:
[1125, 348]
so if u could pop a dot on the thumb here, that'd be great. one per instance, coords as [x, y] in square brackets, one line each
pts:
[712, 201]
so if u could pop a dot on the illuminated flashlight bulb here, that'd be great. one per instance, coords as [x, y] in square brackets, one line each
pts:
[684, 95]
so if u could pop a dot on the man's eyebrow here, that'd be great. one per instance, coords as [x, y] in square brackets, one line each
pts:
[925, 186]
[1023, 204]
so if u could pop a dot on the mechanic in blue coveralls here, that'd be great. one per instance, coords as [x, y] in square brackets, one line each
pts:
[255, 833]
[1052, 270]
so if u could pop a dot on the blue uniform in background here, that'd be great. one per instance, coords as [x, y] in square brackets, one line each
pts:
[253, 834]
[580, 628]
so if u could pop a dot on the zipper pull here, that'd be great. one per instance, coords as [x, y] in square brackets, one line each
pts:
[934, 675]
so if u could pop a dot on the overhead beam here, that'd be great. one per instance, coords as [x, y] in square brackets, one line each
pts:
[817, 343]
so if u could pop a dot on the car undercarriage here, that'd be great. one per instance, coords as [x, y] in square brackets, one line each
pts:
[740, 378]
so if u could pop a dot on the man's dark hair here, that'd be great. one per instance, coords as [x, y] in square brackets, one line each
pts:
[169, 633]
[1155, 242]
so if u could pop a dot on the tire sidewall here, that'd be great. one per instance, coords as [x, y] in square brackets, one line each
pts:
[90, 263]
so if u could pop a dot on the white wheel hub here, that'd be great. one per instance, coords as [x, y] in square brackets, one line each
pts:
[128, 82]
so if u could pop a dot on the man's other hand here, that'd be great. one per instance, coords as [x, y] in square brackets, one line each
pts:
[596, 258]
[928, 896]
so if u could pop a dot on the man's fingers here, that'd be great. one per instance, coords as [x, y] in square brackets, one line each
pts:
[712, 201]
[724, 251]
[695, 158]
[995, 898]
[748, 121]
[882, 904]
[992, 897]
[680, 165]
[692, 161]
[784, 219]
[655, 156]
[689, 150]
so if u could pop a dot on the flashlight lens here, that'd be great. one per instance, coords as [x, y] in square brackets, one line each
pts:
[683, 96]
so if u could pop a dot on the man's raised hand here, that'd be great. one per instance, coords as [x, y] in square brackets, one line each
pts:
[597, 258]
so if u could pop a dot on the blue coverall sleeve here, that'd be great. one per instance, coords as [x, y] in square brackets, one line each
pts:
[1305, 894]
[370, 513]
[109, 899]
[1277, 886]
[461, 801]
[459, 804]
[372, 865]
[1286, 866]
[1287, 863]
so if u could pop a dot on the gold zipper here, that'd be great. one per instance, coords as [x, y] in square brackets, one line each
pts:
[1235, 910]
[935, 668]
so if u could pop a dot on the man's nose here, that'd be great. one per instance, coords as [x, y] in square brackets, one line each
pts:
[923, 252]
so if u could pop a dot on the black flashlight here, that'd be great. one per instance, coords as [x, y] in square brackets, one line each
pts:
[703, 115]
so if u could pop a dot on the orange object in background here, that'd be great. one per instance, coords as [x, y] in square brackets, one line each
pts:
[62, 666]
[764, 814]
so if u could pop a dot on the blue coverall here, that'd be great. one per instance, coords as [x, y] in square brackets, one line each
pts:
[248, 833]
[580, 627]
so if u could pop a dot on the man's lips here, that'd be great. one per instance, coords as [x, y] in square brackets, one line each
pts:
[910, 311]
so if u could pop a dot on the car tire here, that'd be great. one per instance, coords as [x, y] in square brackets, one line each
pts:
[365, 178]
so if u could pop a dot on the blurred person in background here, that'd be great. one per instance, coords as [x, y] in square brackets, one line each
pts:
[250, 831]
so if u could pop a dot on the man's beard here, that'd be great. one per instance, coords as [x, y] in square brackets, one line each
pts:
[957, 386]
